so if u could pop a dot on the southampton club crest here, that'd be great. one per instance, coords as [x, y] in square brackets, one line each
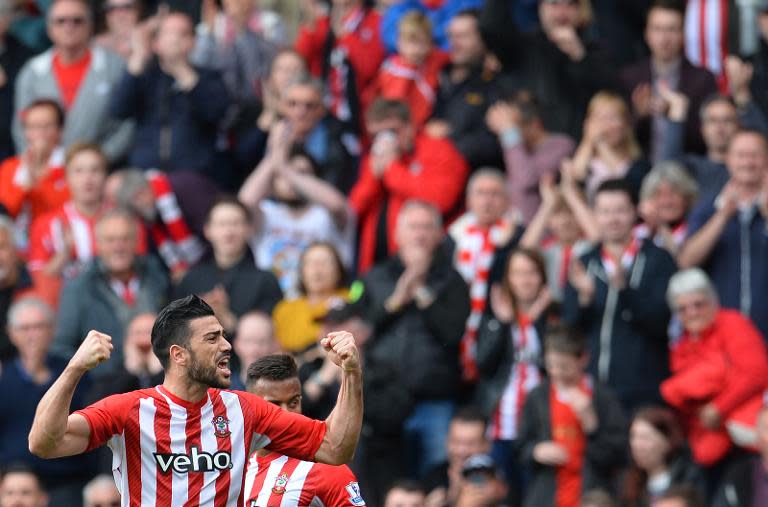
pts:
[280, 483]
[221, 426]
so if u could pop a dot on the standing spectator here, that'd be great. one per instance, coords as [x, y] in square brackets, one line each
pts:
[558, 60]
[727, 231]
[255, 338]
[344, 49]
[404, 493]
[466, 90]
[608, 148]
[80, 77]
[304, 209]
[666, 68]
[401, 165]
[616, 295]
[121, 17]
[572, 432]
[15, 282]
[719, 366]
[22, 487]
[265, 23]
[229, 280]
[33, 183]
[412, 74]
[530, 151]
[113, 287]
[101, 492]
[176, 106]
[23, 382]
[418, 305]
[481, 239]
[13, 54]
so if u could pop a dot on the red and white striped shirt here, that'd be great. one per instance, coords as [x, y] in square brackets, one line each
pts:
[279, 481]
[168, 452]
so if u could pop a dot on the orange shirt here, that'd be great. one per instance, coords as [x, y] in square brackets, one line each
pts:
[69, 77]
[44, 196]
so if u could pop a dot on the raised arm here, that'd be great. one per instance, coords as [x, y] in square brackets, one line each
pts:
[56, 433]
[699, 246]
[320, 192]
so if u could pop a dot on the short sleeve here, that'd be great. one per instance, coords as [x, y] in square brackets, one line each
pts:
[291, 434]
[339, 487]
[106, 418]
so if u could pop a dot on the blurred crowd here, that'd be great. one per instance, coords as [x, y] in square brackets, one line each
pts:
[544, 221]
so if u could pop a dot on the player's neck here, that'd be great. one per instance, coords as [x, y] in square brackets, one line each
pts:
[183, 387]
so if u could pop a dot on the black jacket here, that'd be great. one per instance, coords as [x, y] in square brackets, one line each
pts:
[12, 57]
[736, 488]
[682, 471]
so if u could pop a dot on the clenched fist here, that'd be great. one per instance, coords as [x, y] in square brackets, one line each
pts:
[95, 349]
[341, 348]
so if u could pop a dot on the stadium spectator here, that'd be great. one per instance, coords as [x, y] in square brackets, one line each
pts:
[176, 106]
[615, 295]
[667, 195]
[608, 148]
[20, 486]
[726, 232]
[80, 76]
[666, 68]
[15, 281]
[23, 382]
[401, 165]
[719, 366]
[254, 339]
[112, 288]
[480, 241]
[405, 493]
[120, 17]
[322, 287]
[530, 151]
[33, 183]
[417, 305]
[224, 23]
[558, 60]
[483, 484]
[344, 49]
[12, 56]
[412, 74]
[275, 378]
[660, 458]
[466, 89]
[304, 209]
[572, 432]
[101, 492]
[229, 280]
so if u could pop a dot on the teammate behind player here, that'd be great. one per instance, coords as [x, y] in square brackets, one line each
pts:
[186, 442]
[271, 478]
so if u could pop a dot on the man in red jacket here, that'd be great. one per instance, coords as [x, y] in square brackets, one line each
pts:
[401, 165]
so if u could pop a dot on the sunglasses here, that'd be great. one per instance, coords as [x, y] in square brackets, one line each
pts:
[69, 20]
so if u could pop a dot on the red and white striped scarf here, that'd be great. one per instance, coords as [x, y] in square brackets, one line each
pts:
[339, 74]
[178, 247]
[627, 257]
[397, 66]
[706, 36]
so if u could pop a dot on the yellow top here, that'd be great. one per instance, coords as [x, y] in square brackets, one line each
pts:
[297, 321]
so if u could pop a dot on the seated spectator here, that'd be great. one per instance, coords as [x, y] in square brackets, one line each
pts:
[228, 280]
[616, 295]
[33, 183]
[20, 486]
[559, 60]
[322, 287]
[78, 75]
[417, 305]
[120, 18]
[255, 338]
[480, 240]
[304, 209]
[405, 493]
[101, 492]
[15, 282]
[467, 436]
[726, 232]
[608, 149]
[572, 432]
[112, 288]
[509, 352]
[13, 55]
[660, 458]
[667, 195]
[345, 53]
[719, 366]
[665, 68]
[482, 483]
[465, 92]
[530, 150]
[23, 382]
[402, 165]
[151, 196]
[682, 496]
[411, 75]
[177, 107]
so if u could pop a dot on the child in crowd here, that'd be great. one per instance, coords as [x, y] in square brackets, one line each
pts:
[411, 75]
[572, 433]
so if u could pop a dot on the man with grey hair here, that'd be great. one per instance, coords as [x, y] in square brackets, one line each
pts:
[22, 384]
[13, 54]
[15, 280]
[101, 492]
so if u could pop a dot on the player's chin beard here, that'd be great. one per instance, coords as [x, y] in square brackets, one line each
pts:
[205, 374]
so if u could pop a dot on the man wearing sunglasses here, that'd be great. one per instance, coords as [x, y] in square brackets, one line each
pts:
[79, 76]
